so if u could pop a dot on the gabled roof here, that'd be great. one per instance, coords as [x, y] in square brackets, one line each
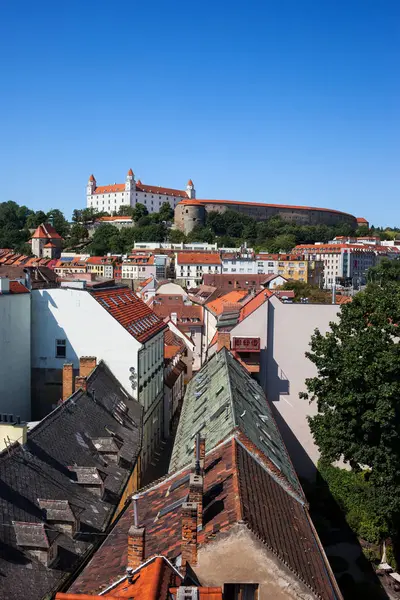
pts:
[39, 233]
[257, 301]
[18, 288]
[217, 305]
[37, 472]
[130, 311]
[238, 492]
[222, 398]
[155, 189]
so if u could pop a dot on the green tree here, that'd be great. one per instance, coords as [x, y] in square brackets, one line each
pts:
[386, 271]
[166, 212]
[125, 211]
[59, 222]
[175, 236]
[35, 219]
[139, 211]
[282, 243]
[79, 234]
[106, 238]
[357, 391]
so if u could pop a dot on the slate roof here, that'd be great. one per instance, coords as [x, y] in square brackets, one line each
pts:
[38, 472]
[130, 311]
[221, 398]
[238, 489]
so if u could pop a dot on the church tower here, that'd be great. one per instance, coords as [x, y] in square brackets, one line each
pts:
[191, 192]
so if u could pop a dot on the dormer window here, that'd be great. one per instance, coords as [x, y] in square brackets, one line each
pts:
[37, 540]
[108, 448]
[89, 478]
[59, 515]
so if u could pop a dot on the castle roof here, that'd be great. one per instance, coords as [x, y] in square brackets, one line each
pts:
[190, 182]
[91, 178]
[130, 172]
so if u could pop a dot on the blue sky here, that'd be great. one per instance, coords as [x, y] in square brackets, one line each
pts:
[293, 101]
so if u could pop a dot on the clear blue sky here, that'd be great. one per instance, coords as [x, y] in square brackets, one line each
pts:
[293, 101]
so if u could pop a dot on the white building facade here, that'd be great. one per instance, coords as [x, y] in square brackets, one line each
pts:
[110, 198]
[70, 323]
[190, 267]
[15, 349]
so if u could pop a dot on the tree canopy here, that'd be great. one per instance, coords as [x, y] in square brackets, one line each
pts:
[357, 391]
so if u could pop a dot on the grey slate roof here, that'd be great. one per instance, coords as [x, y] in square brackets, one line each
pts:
[221, 399]
[39, 471]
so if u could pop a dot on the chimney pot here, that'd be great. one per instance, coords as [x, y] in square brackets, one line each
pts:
[67, 381]
[80, 382]
[189, 533]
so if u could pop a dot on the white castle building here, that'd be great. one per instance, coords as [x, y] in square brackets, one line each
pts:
[110, 198]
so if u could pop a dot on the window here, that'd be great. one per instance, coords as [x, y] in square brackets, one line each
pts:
[61, 348]
[241, 591]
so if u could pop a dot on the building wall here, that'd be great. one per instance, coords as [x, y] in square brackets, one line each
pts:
[88, 329]
[283, 375]
[137, 271]
[238, 557]
[15, 355]
[301, 216]
[132, 485]
[112, 202]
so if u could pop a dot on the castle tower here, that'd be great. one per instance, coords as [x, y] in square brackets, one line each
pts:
[130, 184]
[91, 185]
[189, 214]
[191, 192]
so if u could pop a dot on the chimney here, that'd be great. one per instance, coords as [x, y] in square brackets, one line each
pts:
[86, 365]
[196, 486]
[4, 285]
[223, 340]
[80, 382]
[199, 454]
[136, 540]
[189, 533]
[67, 381]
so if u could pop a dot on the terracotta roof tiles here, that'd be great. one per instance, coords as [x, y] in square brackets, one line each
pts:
[217, 306]
[130, 311]
[198, 258]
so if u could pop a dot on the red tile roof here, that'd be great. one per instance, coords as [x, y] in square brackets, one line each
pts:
[254, 303]
[49, 245]
[121, 218]
[100, 260]
[188, 315]
[91, 178]
[130, 311]
[130, 172]
[155, 189]
[107, 189]
[198, 258]
[190, 182]
[362, 220]
[17, 288]
[45, 230]
[261, 204]
[244, 492]
[217, 305]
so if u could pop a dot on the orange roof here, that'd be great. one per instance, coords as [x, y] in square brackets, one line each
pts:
[107, 189]
[362, 220]
[190, 182]
[39, 233]
[130, 172]
[17, 288]
[191, 202]
[256, 204]
[91, 178]
[194, 258]
[254, 303]
[49, 245]
[155, 189]
[139, 260]
[99, 260]
[171, 351]
[216, 306]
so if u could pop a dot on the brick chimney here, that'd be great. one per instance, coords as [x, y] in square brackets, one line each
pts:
[196, 489]
[86, 365]
[189, 533]
[136, 539]
[223, 340]
[80, 382]
[67, 381]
